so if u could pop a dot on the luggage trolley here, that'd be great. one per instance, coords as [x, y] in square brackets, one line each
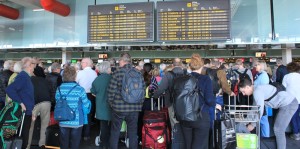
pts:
[242, 117]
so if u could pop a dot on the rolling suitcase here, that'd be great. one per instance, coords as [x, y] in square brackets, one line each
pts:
[17, 141]
[52, 135]
[155, 131]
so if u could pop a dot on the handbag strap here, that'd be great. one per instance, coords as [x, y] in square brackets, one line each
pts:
[68, 92]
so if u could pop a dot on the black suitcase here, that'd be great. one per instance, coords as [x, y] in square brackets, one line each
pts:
[52, 135]
[36, 132]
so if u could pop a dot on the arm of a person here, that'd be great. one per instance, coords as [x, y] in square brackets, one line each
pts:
[209, 97]
[13, 89]
[93, 89]
[86, 103]
[278, 74]
[260, 101]
[162, 87]
[59, 81]
[78, 77]
[223, 82]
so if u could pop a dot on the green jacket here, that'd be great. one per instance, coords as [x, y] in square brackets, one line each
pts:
[99, 88]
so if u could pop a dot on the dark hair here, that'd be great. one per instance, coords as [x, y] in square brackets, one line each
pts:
[206, 61]
[245, 82]
[147, 67]
[147, 76]
[39, 72]
[293, 67]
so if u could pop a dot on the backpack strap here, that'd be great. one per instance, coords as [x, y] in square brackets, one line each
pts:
[277, 91]
[68, 92]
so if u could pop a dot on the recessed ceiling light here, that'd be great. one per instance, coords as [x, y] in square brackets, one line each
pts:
[38, 9]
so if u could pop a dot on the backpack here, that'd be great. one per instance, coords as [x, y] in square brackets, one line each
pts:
[279, 88]
[186, 98]
[171, 83]
[212, 73]
[10, 120]
[133, 90]
[243, 75]
[62, 111]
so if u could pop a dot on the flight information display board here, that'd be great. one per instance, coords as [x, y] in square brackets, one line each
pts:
[202, 20]
[132, 22]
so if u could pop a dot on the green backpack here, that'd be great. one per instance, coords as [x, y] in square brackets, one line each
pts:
[10, 118]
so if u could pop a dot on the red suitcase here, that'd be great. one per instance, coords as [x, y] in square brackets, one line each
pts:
[155, 131]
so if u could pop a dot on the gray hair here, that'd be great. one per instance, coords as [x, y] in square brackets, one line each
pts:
[104, 67]
[18, 67]
[162, 66]
[55, 66]
[125, 57]
[215, 62]
[262, 64]
[7, 64]
[279, 62]
[88, 61]
[141, 64]
[25, 61]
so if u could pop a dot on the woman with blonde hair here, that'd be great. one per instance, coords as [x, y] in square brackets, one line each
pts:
[196, 133]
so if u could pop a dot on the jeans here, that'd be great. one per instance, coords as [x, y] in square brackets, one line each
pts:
[282, 121]
[42, 109]
[196, 133]
[70, 137]
[104, 133]
[296, 121]
[131, 119]
[264, 126]
[87, 127]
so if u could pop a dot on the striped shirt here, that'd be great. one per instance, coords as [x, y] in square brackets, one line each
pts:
[114, 93]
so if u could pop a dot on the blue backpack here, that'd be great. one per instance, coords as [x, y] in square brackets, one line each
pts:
[133, 90]
[62, 111]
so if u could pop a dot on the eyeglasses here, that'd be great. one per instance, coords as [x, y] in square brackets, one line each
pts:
[33, 63]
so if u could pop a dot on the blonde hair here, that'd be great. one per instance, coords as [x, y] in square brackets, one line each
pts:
[196, 62]
[155, 72]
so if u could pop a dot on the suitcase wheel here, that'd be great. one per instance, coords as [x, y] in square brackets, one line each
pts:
[127, 142]
[97, 141]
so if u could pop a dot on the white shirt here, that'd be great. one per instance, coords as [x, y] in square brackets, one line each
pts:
[85, 78]
[291, 82]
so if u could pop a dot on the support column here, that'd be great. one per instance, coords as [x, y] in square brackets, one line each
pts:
[286, 55]
[65, 56]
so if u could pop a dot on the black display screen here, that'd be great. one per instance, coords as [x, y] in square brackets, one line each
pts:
[131, 22]
[203, 20]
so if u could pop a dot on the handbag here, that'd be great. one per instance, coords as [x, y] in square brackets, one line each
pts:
[62, 111]
[224, 130]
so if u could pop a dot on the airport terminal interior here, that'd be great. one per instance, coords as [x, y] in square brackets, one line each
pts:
[152, 31]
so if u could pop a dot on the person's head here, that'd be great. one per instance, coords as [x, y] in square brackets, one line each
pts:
[140, 65]
[169, 68]
[254, 62]
[279, 62]
[17, 67]
[112, 62]
[39, 72]
[28, 64]
[196, 62]
[104, 67]
[215, 62]
[206, 62]
[239, 64]
[125, 58]
[261, 66]
[177, 62]
[246, 87]
[55, 67]
[77, 66]
[162, 66]
[155, 72]
[293, 67]
[147, 67]
[69, 74]
[8, 65]
[86, 62]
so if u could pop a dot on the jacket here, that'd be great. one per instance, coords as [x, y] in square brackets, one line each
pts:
[280, 73]
[78, 101]
[41, 89]
[54, 80]
[4, 77]
[99, 88]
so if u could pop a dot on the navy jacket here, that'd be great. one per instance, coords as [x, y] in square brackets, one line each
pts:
[280, 73]
[21, 91]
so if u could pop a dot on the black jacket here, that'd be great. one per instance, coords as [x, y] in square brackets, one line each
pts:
[280, 73]
[41, 89]
[54, 80]
[4, 77]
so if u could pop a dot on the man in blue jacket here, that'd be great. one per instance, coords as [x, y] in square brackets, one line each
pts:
[21, 91]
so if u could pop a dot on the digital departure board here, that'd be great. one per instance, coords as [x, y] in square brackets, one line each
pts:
[202, 20]
[132, 22]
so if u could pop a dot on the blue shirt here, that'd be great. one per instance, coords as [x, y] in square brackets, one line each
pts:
[21, 91]
[262, 78]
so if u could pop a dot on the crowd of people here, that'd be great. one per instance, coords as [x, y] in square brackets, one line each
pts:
[95, 92]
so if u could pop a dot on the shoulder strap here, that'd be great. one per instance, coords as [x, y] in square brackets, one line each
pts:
[245, 72]
[277, 91]
[237, 72]
[68, 92]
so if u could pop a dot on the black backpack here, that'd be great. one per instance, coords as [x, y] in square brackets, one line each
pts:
[212, 73]
[171, 79]
[279, 88]
[187, 106]
[243, 75]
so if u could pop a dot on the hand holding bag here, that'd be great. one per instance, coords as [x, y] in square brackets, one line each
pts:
[62, 111]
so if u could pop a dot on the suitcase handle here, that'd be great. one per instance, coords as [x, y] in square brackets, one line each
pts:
[159, 103]
[22, 122]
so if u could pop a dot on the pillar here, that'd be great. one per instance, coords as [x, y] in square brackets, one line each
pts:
[286, 55]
